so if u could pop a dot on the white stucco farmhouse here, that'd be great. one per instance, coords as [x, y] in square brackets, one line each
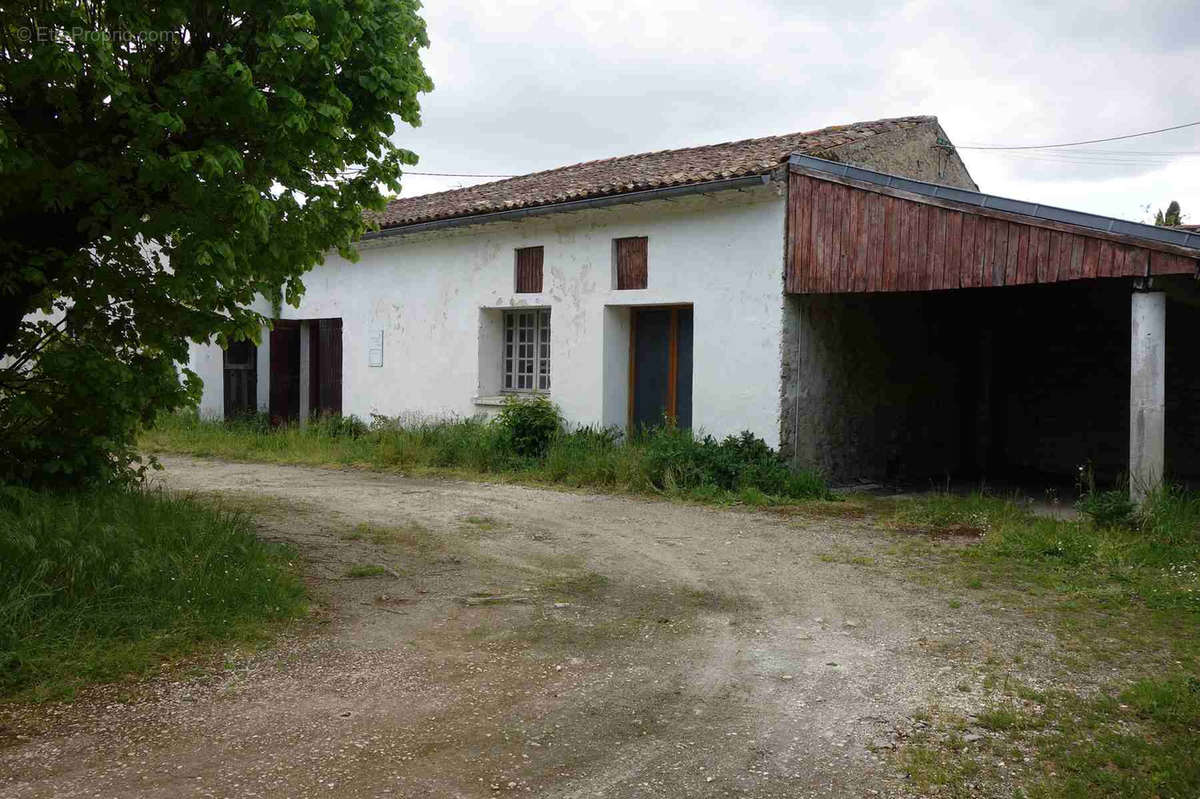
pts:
[847, 294]
[435, 318]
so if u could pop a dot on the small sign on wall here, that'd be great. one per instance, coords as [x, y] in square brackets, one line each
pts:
[375, 348]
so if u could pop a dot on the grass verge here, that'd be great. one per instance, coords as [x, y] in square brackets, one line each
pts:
[1122, 718]
[99, 586]
[664, 461]
[1136, 742]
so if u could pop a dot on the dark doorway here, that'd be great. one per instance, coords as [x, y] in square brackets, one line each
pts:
[241, 379]
[661, 367]
[322, 391]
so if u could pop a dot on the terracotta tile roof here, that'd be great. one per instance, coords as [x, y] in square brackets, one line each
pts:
[633, 173]
[1188, 228]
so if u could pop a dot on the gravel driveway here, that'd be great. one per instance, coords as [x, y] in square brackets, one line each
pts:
[531, 642]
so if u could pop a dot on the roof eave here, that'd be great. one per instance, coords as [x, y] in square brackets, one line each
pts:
[663, 193]
[1163, 238]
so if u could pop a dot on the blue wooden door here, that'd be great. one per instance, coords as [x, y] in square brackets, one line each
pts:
[661, 379]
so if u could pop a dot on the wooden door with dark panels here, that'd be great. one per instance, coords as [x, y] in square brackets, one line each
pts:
[323, 388]
[285, 370]
[326, 384]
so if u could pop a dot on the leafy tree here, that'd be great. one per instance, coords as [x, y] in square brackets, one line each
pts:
[1169, 218]
[162, 164]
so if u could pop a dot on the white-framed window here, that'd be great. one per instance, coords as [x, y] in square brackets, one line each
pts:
[527, 350]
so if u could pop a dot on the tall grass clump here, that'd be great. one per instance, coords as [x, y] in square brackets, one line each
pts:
[1170, 517]
[594, 457]
[409, 443]
[1112, 508]
[96, 586]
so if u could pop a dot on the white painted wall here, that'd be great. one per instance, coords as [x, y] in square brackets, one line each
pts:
[207, 362]
[436, 295]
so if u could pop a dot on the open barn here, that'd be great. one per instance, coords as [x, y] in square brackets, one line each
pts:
[936, 333]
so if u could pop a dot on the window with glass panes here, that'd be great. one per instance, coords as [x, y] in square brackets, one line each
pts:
[527, 350]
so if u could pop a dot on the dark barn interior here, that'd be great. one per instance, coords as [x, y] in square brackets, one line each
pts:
[934, 334]
[1022, 384]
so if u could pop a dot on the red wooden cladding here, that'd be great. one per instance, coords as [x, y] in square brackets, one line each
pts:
[529, 270]
[1012, 254]
[874, 262]
[846, 239]
[632, 266]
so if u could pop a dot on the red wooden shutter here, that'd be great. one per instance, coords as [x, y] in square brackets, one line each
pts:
[330, 365]
[529, 270]
[284, 396]
[632, 268]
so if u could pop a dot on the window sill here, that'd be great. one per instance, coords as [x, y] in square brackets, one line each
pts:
[497, 400]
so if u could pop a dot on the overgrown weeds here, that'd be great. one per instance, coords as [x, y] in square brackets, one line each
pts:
[96, 586]
[1151, 562]
[528, 441]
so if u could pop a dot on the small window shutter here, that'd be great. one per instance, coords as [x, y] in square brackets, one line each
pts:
[529, 270]
[631, 263]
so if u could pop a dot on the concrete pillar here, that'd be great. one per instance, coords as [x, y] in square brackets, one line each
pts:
[305, 376]
[263, 388]
[1147, 391]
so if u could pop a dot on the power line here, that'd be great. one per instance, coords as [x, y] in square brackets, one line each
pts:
[1081, 161]
[1077, 143]
[356, 170]
[1096, 157]
[1141, 152]
[1080, 157]
[454, 174]
[1084, 155]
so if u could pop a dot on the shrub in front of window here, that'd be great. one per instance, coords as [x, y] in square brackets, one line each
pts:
[529, 425]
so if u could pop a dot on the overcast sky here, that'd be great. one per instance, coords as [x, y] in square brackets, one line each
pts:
[522, 86]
